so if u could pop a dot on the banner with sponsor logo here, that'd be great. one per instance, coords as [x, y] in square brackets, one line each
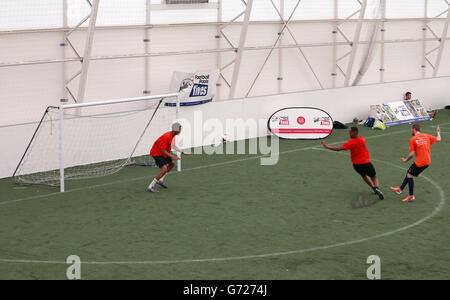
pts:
[195, 88]
[301, 123]
[399, 112]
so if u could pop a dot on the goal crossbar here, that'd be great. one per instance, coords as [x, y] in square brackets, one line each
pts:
[117, 101]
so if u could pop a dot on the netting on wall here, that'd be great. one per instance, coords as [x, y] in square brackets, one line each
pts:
[15, 14]
[111, 12]
[19, 14]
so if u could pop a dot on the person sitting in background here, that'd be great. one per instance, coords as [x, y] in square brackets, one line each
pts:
[408, 96]
[431, 113]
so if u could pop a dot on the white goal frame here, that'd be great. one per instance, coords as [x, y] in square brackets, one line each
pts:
[62, 108]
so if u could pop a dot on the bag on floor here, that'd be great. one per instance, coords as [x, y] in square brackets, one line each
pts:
[369, 122]
[379, 125]
[339, 125]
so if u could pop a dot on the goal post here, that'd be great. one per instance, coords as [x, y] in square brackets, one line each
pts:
[93, 139]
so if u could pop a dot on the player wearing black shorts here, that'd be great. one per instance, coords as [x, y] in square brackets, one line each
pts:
[361, 159]
[365, 169]
[161, 153]
[161, 161]
[420, 146]
[415, 171]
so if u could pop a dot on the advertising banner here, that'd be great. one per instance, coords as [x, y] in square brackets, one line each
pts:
[400, 112]
[195, 88]
[303, 123]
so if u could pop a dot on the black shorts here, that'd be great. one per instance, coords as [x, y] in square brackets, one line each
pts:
[162, 161]
[365, 169]
[414, 170]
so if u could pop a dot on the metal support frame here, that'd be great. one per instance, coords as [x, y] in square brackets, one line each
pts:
[440, 39]
[221, 35]
[87, 50]
[424, 36]
[280, 34]
[174, 25]
[334, 33]
[355, 42]
[240, 49]
[209, 51]
[218, 45]
[281, 50]
[368, 53]
[442, 42]
[85, 59]
[147, 40]
[63, 45]
[382, 38]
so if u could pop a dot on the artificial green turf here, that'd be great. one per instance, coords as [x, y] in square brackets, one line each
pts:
[225, 206]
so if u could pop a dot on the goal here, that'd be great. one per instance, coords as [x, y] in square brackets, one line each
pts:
[86, 140]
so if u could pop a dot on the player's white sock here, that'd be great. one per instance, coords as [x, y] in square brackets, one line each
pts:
[152, 185]
[162, 178]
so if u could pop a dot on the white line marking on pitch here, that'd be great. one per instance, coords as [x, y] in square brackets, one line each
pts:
[443, 125]
[417, 223]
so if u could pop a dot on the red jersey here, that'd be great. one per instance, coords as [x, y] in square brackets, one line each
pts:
[358, 150]
[164, 142]
[421, 145]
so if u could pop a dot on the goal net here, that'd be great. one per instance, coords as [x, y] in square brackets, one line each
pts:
[79, 141]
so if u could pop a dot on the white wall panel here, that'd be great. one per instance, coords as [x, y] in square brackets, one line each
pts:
[310, 32]
[112, 79]
[110, 42]
[432, 92]
[26, 91]
[403, 30]
[403, 61]
[183, 39]
[28, 46]
[405, 8]
[30, 13]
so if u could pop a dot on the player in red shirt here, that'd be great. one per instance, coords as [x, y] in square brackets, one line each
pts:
[161, 153]
[361, 159]
[419, 145]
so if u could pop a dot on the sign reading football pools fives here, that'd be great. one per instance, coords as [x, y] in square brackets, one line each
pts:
[301, 123]
[194, 88]
[400, 112]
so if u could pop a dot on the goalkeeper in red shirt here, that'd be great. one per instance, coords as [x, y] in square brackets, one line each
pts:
[361, 159]
[161, 153]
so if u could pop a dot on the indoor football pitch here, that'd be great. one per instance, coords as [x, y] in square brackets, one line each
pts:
[227, 217]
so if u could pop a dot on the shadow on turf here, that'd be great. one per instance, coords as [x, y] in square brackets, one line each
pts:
[363, 201]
